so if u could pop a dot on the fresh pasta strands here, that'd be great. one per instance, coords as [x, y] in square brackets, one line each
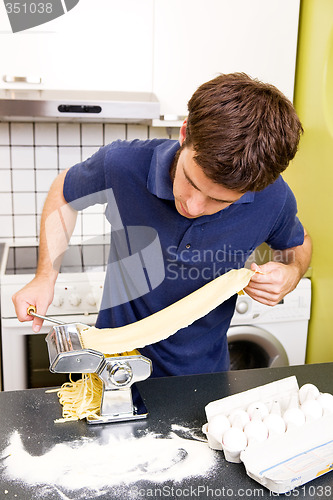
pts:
[168, 321]
[82, 398]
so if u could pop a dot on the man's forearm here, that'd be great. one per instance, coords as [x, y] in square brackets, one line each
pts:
[57, 224]
[298, 257]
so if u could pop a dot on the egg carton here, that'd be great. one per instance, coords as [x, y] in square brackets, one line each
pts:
[282, 434]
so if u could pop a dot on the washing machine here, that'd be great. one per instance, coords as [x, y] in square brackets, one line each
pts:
[264, 336]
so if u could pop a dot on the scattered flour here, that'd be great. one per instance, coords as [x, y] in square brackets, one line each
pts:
[123, 460]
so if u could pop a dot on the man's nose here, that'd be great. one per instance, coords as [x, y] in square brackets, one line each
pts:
[196, 204]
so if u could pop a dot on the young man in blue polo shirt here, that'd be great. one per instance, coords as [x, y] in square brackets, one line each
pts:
[184, 212]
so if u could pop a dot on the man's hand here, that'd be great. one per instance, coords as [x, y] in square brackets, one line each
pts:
[272, 282]
[39, 293]
[275, 279]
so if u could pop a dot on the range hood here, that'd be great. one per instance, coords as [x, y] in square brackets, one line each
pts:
[81, 105]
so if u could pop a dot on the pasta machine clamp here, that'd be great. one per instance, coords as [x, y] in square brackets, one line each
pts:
[117, 373]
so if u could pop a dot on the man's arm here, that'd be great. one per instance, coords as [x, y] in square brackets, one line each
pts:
[57, 224]
[277, 278]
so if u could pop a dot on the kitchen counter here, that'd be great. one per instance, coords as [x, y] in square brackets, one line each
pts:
[175, 404]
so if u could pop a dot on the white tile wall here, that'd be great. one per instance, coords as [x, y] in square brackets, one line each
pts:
[4, 134]
[32, 155]
[23, 157]
[46, 157]
[46, 134]
[4, 155]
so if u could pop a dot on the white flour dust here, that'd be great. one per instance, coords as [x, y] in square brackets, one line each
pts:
[123, 460]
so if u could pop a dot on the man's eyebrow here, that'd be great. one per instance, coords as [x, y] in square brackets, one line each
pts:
[196, 187]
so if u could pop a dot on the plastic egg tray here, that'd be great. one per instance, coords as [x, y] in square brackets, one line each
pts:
[282, 433]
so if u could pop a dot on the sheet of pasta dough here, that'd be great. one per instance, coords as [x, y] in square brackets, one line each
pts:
[168, 321]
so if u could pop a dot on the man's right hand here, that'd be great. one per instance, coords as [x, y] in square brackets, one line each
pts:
[39, 293]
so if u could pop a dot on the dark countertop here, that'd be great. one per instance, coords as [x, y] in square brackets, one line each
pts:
[174, 400]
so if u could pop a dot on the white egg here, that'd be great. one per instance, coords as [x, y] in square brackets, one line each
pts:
[308, 391]
[256, 430]
[257, 409]
[294, 417]
[234, 440]
[312, 409]
[217, 426]
[239, 418]
[326, 401]
[275, 424]
[293, 401]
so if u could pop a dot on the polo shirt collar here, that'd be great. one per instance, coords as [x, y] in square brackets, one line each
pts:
[159, 182]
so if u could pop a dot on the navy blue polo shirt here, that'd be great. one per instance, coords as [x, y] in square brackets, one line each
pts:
[157, 256]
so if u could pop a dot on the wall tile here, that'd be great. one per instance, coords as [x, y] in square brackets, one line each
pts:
[46, 157]
[4, 157]
[6, 203]
[68, 156]
[23, 157]
[69, 134]
[25, 226]
[78, 226]
[45, 134]
[95, 209]
[92, 224]
[5, 181]
[4, 134]
[24, 203]
[21, 134]
[88, 151]
[92, 134]
[158, 133]
[32, 154]
[113, 132]
[6, 225]
[40, 200]
[44, 179]
[23, 180]
[137, 132]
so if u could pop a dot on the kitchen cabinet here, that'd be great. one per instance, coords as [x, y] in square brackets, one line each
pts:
[162, 46]
[99, 45]
[195, 40]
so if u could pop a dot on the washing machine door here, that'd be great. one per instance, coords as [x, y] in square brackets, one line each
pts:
[254, 347]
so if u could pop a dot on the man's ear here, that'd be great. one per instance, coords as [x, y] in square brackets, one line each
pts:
[182, 132]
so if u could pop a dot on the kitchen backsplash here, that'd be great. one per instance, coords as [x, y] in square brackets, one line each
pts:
[31, 156]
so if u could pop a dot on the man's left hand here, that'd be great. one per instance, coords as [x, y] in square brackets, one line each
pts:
[272, 282]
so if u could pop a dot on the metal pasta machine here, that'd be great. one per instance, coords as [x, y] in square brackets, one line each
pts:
[117, 373]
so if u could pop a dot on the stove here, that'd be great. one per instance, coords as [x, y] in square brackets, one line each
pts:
[78, 293]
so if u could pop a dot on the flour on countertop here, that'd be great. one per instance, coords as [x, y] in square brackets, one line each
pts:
[122, 460]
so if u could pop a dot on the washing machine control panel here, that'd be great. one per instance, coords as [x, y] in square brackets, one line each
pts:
[294, 306]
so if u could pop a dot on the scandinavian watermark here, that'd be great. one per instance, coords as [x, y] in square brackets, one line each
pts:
[25, 14]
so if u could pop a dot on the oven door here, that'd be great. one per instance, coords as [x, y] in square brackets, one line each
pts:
[25, 360]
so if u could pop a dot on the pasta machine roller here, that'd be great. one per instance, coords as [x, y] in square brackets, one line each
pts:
[117, 373]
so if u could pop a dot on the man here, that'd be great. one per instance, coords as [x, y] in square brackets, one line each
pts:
[181, 213]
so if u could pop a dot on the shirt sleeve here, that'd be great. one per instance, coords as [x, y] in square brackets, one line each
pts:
[84, 183]
[287, 231]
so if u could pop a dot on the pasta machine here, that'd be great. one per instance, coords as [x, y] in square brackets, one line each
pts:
[117, 373]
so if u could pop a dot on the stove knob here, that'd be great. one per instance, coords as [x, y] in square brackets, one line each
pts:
[91, 299]
[74, 299]
[242, 307]
[57, 301]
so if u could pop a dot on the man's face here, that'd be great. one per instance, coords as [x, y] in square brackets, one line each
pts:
[195, 194]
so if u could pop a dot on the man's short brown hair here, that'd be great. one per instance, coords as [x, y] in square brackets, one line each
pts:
[244, 132]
